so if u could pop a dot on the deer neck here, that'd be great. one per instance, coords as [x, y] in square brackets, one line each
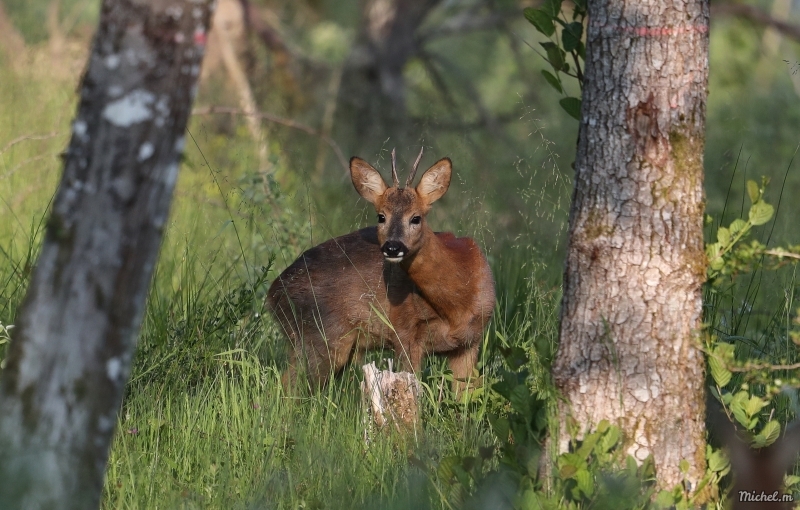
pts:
[440, 275]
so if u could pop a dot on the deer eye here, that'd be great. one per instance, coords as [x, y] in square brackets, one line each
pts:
[381, 218]
[416, 220]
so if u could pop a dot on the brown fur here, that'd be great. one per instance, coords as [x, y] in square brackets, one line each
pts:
[438, 299]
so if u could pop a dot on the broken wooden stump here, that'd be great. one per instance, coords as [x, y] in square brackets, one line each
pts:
[391, 398]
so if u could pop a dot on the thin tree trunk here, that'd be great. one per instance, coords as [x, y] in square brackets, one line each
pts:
[632, 284]
[76, 330]
[373, 90]
[12, 45]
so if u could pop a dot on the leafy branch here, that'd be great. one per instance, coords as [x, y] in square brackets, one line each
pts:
[729, 255]
[546, 19]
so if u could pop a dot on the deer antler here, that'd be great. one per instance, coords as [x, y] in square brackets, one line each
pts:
[395, 180]
[414, 168]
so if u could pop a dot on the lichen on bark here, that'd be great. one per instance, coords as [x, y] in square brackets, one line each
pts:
[77, 325]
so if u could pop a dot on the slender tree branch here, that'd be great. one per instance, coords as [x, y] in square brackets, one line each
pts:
[783, 253]
[468, 22]
[226, 110]
[23, 138]
[284, 51]
[756, 15]
[750, 367]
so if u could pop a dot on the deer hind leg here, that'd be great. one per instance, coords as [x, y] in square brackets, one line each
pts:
[325, 357]
[462, 363]
[307, 354]
[304, 360]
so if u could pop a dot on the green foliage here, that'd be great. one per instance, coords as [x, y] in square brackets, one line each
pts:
[729, 256]
[588, 476]
[546, 19]
[750, 384]
[5, 337]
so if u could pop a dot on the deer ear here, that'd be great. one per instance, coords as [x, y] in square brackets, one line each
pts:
[367, 181]
[435, 181]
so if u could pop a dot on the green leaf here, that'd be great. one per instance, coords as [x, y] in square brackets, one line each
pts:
[753, 191]
[532, 499]
[587, 447]
[585, 482]
[515, 357]
[718, 461]
[719, 372]
[500, 426]
[552, 80]
[569, 464]
[791, 480]
[541, 20]
[737, 226]
[520, 399]
[760, 213]
[555, 55]
[446, 468]
[571, 36]
[461, 475]
[715, 262]
[609, 439]
[664, 499]
[631, 466]
[768, 435]
[572, 105]
[581, 49]
[754, 405]
[723, 236]
[683, 465]
[737, 408]
[552, 7]
[567, 471]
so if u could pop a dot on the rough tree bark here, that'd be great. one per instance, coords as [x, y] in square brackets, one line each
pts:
[632, 284]
[76, 330]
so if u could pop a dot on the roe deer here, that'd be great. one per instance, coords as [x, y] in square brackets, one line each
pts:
[434, 289]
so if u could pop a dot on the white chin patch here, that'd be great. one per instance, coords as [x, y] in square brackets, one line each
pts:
[393, 259]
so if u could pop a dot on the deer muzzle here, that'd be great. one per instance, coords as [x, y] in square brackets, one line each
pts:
[394, 251]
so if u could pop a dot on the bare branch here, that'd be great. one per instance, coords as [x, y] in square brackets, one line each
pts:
[469, 22]
[750, 367]
[212, 110]
[783, 253]
[756, 15]
[23, 138]
[284, 51]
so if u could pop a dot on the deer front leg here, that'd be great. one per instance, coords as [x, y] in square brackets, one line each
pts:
[408, 351]
[462, 363]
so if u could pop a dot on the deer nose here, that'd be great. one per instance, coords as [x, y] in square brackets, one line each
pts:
[394, 251]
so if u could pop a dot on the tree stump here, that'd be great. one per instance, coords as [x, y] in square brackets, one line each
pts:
[391, 398]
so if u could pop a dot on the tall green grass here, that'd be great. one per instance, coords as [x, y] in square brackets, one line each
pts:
[205, 422]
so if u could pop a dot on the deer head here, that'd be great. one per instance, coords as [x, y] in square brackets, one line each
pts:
[401, 212]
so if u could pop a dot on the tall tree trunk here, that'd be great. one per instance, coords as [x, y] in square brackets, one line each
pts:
[632, 284]
[71, 352]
